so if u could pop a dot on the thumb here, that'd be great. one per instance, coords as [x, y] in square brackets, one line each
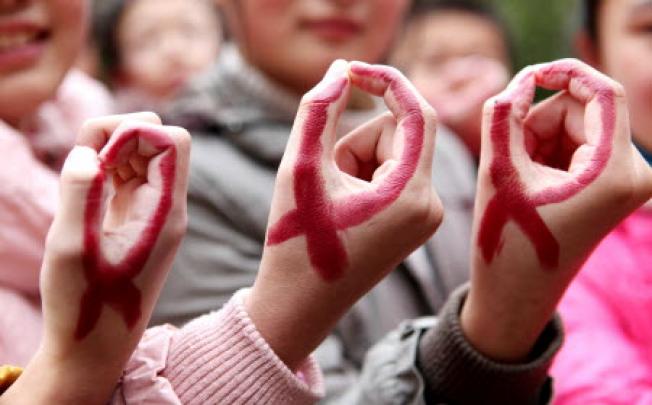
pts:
[313, 135]
[81, 201]
[503, 116]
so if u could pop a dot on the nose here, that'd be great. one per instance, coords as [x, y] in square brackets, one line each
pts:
[173, 47]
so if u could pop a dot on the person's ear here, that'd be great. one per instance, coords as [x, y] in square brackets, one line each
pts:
[587, 49]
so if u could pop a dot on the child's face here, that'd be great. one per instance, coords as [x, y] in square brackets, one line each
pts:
[625, 53]
[39, 41]
[457, 60]
[163, 44]
[294, 41]
[447, 35]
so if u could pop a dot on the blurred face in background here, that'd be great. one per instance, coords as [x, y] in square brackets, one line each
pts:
[163, 43]
[457, 60]
[294, 41]
[39, 41]
[624, 52]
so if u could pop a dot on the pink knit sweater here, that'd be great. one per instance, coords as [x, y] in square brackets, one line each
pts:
[220, 358]
[607, 314]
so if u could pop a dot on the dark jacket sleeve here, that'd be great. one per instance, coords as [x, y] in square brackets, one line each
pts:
[429, 361]
[454, 372]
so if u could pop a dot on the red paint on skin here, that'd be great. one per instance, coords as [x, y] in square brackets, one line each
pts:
[112, 284]
[317, 216]
[511, 200]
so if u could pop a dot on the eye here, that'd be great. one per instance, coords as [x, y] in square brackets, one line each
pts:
[645, 27]
[642, 23]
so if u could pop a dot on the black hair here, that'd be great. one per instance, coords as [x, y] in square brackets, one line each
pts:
[106, 16]
[590, 17]
[476, 8]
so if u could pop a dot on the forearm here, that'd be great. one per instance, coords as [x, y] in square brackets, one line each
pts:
[294, 330]
[222, 358]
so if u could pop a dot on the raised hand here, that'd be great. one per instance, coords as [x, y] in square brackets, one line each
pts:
[120, 219]
[344, 212]
[554, 179]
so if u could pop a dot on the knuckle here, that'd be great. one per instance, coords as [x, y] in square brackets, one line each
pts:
[146, 115]
[424, 210]
[491, 104]
[89, 125]
[618, 89]
[430, 114]
[181, 135]
[77, 178]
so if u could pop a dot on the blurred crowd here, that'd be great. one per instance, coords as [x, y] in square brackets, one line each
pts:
[417, 317]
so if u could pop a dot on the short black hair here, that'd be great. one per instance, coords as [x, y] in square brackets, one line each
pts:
[590, 18]
[474, 7]
[106, 16]
[479, 9]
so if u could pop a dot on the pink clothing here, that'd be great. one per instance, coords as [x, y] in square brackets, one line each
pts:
[28, 200]
[607, 314]
[20, 320]
[219, 358]
[29, 192]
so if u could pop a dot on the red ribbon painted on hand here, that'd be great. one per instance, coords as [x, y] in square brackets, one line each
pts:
[512, 201]
[319, 217]
[112, 284]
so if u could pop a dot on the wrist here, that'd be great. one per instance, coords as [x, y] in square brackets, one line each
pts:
[503, 321]
[510, 303]
[497, 335]
[49, 379]
[295, 320]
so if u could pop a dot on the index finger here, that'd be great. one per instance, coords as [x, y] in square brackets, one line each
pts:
[581, 80]
[96, 132]
[416, 120]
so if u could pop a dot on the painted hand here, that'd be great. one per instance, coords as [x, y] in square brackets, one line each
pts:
[554, 179]
[121, 216]
[344, 212]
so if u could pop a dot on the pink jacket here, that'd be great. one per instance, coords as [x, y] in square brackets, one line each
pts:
[219, 358]
[607, 314]
[28, 199]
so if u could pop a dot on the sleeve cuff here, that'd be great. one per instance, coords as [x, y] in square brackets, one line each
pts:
[221, 357]
[454, 371]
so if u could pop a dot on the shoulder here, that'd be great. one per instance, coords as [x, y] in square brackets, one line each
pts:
[85, 96]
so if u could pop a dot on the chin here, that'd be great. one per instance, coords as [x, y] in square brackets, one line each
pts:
[32, 93]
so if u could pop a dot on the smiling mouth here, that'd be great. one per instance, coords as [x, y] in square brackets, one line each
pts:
[21, 44]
